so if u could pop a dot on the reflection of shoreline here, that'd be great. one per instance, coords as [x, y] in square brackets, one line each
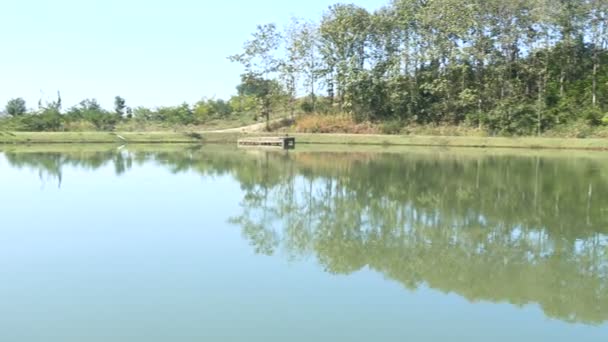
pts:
[441, 152]
[519, 229]
[475, 258]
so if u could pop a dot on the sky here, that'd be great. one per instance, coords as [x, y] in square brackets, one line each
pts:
[151, 52]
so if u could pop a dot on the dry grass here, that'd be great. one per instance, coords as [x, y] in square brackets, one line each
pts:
[344, 124]
[333, 124]
[317, 123]
[444, 130]
[215, 124]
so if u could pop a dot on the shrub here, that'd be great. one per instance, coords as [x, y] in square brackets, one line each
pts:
[332, 124]
[79, 126]
[48, 120]
[392, 127]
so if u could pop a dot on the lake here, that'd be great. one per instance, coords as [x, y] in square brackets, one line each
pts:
[211, 243]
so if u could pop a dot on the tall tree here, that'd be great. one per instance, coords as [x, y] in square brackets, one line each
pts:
[344, 34]
[261, 66]
[291, 65]
[307, 42]
[598, 22]
[119, 106]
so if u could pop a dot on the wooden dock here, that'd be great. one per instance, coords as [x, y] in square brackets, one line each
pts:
[282, 142]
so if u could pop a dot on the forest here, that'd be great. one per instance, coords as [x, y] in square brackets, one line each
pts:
[509, 67]
[502, 67]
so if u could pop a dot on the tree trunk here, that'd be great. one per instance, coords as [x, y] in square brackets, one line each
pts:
[539, 106]
[562, 78]
[266, 113]
[594, 85]
[312, 94]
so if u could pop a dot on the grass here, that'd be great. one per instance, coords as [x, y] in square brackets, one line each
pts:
[341, 123]
[96, 137]
[302, 138]
[454, 141]
[210, 125]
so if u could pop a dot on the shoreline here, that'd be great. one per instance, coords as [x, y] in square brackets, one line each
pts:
[26, 138]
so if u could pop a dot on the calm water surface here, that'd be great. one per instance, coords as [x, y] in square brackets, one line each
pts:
[177, 243]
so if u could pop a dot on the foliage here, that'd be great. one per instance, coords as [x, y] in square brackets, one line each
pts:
[507, 67]
[392, 127]
[90, 110]
[260, 64]
[15, 107]
[267, 92]
[332, 124]
[119, 105]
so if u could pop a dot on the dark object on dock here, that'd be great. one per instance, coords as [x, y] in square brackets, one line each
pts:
[283, 142]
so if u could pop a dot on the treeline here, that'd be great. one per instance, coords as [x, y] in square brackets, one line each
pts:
[506, 66]
[90, 115]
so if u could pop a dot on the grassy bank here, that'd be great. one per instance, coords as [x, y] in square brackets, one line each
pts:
[302, 138]
[459, 141]
[97, 137]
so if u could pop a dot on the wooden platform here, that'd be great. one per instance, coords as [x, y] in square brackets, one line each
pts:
[282, 142]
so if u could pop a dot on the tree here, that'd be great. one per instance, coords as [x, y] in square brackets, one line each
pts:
[267, 91]
[90, 110]
[260, 67]
[258, 55]
[291, 65]
[53, 105]
[344, 34]
[598, 23]
[16, 107]
[307, 41]
[119, 106]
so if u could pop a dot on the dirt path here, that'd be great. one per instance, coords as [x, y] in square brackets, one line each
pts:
[258, 127]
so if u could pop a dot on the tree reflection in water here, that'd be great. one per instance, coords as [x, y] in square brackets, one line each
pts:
[521, 229]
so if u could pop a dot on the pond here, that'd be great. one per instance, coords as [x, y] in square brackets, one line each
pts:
[212, 243]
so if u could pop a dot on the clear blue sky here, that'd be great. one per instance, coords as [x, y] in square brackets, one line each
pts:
[151, 52]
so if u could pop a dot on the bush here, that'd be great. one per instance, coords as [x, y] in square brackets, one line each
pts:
[307, 107]
[332, 124]
[48, 120]
[593, 116]
[80, 126]
[391, 127]
[511, 118]
[605, 120]
[575, 129]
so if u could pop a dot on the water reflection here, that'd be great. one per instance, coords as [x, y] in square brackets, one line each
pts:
[502, 228]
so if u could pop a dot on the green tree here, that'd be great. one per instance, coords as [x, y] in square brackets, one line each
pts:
[260, 68]
[344, 34]
[306, 43]
[16, 107]
[90, 110]
[119, 106]
[268, 92]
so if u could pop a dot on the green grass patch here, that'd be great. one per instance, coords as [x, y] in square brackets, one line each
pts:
[302, 138]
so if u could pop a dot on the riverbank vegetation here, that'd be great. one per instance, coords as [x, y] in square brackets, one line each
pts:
[89, 115]
[303, 139]
[502, 67]
[490, 67]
